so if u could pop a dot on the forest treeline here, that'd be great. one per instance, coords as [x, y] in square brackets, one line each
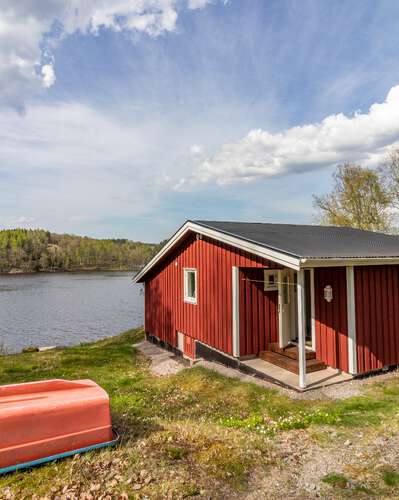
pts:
[30, 250]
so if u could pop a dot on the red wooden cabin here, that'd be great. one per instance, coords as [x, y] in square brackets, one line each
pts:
[301, 297]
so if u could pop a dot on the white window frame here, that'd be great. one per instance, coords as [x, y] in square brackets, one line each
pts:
[187, 298]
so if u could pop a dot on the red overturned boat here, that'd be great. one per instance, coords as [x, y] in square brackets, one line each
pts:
[52, 419]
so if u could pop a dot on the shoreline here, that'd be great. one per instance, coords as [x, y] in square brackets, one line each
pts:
[67, 271]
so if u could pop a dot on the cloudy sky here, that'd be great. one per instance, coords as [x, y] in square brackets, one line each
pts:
[123, 118]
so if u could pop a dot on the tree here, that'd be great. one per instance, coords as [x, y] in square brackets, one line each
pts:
[390, 173]
[359, 199]
[39, 250]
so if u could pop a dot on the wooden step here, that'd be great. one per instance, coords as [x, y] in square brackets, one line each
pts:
[290, 351]
[292, 365]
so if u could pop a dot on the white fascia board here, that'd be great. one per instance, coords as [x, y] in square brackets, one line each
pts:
[247, 246]
[273, 255]
[329, 262]
[164, 250]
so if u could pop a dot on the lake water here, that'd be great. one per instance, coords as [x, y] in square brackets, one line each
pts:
[67, 308]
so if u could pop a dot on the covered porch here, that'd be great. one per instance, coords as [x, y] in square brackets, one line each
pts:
[281, 376]
[288, 344]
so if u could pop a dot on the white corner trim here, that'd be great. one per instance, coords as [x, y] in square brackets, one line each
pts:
[145, 326]
[235, 281]
[350, 296]
[301, 328]
[247, 246]
[280, 309]
[312, 310]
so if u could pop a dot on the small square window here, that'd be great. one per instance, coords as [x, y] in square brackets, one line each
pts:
[270, 280]
[190, 286]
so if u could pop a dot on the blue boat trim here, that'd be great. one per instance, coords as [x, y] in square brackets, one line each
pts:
[51, 458]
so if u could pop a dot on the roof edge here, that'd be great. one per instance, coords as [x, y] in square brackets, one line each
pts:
[270, 247]
[247, 245]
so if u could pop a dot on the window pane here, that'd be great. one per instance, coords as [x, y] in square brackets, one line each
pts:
[191, 284]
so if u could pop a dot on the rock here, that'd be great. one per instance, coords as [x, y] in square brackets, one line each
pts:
[352, 485]
[31, 348]
[347, 443]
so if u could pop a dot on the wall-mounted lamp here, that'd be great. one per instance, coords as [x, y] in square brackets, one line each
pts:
[328, 293]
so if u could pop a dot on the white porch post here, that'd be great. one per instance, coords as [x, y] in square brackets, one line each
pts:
[280, 309]
[236, 310]
[301, 328]
[350, 297]
[312, 309]
[145, 310]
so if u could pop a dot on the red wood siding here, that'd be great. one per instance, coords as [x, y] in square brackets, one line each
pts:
[377, 316]
[258, 313]
[210, 320]
[331, 317]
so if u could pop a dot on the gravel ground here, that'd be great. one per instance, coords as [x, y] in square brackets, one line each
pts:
[304, 463]
[337, 391]
[163, 362]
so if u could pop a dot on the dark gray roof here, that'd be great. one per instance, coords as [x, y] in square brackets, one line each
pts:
[314, 242]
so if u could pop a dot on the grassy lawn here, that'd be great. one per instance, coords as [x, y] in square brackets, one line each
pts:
[198, 433]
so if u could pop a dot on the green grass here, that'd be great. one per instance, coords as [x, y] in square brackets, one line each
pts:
[390, 477]
[336, 480]
[193, 433]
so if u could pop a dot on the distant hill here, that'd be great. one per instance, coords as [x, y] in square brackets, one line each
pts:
[31, 250]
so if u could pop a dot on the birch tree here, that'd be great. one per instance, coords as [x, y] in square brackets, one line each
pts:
[358, 199]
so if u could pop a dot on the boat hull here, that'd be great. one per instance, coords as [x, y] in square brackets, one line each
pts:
[49, 418]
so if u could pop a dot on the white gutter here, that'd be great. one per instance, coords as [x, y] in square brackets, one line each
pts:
[350, 261]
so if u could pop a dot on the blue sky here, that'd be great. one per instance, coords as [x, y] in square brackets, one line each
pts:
[123, 119]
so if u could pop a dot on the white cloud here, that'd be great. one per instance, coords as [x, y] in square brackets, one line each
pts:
[27, 34]
[48, 75]
[338, 138]
[69, 165]
[197, 4]
[17, 221]
[200, 4]
[196, 150]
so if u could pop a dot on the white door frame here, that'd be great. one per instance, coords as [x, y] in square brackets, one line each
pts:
[283, 310]
[292, 309]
